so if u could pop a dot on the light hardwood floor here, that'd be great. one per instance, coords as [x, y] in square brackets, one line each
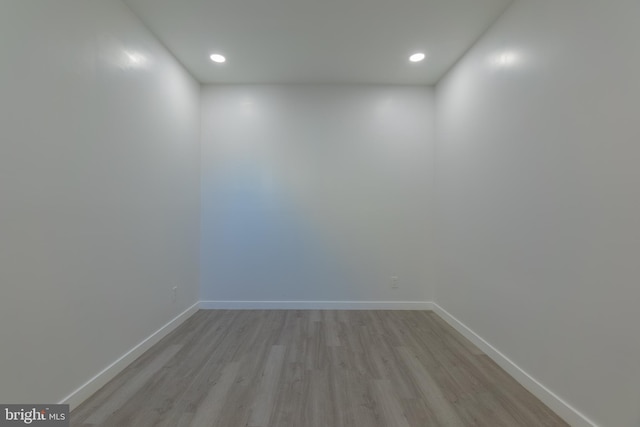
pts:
[314, 369]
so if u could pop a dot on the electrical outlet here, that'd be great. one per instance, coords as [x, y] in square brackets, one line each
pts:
[394, 282]
[174, 295]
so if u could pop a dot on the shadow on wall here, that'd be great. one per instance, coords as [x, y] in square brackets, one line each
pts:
[262, 249]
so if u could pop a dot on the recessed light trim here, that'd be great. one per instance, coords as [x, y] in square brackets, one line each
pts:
[217, 58]
[417, 57]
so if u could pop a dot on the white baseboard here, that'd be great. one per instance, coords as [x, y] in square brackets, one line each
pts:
[316, 305]
[562, 408]
[571, 415]
[108, 373]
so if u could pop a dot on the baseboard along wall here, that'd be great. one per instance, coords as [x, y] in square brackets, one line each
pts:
[570, 414]
[558, 405]
[316, 305]
[107, 374]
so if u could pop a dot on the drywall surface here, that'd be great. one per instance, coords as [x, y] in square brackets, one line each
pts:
[99, 192]
[538, 207]
[316, 193]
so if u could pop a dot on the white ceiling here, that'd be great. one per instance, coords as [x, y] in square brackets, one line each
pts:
[318, 41]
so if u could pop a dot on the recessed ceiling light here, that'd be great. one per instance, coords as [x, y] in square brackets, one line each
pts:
[506, 59]
[216, 57]
[417, 57]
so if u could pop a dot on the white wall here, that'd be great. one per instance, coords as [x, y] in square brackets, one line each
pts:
[99, 192]
[539, 214]
[316, 193]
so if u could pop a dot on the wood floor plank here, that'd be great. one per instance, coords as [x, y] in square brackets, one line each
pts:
[389, 403]
[130, 388]
[289, 396]
[315, 368]
[352, 394]
[418, 413]
[213, 403]
[433, 394]
[190, 331]
[321, 406]
[162, 402]
[267, 388]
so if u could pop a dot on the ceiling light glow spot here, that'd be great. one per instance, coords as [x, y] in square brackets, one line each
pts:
[216, 57]
[417, 57]
[506, 59]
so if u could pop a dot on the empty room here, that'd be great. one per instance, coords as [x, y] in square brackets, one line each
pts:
[337, 213]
